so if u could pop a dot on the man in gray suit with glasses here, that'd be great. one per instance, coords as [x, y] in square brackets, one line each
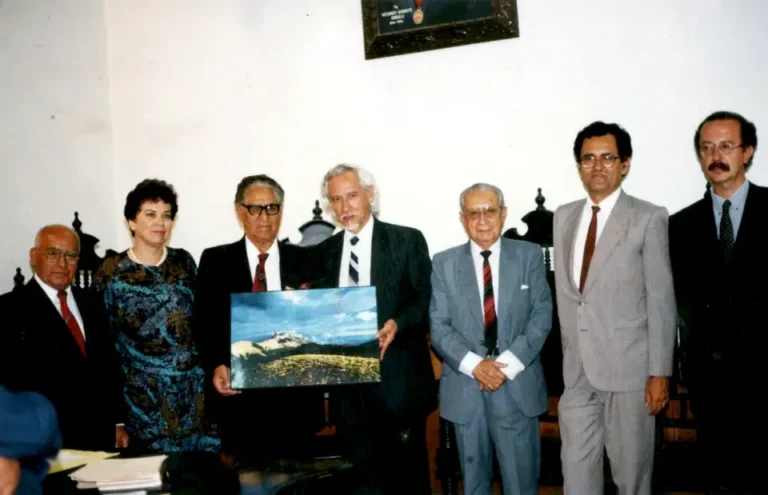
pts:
[490, 313]
[616, 305]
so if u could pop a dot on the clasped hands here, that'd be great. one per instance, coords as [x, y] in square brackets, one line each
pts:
[489, 375]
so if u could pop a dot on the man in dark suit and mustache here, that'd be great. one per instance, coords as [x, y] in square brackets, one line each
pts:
[719, 267]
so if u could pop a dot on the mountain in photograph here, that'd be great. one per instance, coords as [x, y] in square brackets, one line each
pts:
[289, 359]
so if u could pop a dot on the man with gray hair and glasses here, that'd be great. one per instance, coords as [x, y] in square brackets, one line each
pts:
[383, 426]
[255, 425]
[491, 312]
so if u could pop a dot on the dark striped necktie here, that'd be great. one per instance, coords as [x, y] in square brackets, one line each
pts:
[489, 308]
[354, 263]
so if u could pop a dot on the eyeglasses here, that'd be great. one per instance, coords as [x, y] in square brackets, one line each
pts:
[255, 210]
[726, 148]
[607, 160]
[475, 215]
[53, 255]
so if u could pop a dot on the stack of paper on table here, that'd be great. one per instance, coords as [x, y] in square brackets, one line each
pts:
[121, 474]
[68, 459]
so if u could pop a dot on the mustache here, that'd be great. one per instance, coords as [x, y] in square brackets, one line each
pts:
[719, 165]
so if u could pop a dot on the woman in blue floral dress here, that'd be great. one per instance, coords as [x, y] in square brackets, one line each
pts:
[148, 291]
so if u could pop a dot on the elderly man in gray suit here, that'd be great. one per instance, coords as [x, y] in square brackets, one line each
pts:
[616, 305]
[490, 313]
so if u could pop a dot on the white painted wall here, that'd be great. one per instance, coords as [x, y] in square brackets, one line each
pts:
[207, 92]
[55, 127]
[203, 93]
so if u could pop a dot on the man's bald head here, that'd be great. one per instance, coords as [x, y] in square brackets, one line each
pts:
[55, 255]
[56, 230]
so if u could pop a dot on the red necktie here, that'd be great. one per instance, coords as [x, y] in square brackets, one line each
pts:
[489, 308]
[260, 280]
[71, 321]
[589, 248]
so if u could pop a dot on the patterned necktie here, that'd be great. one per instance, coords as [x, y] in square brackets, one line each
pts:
[260, 280]
[354, 264]
[71, 321]
[589, 248]
[489, 308]
[726, 234]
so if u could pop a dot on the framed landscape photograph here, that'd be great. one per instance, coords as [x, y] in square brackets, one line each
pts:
[304, 338]
[396, 27]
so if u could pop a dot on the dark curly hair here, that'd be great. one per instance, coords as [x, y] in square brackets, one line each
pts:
[150, 190]
[598, 129]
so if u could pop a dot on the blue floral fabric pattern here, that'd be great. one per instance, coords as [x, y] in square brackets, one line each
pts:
[150, 311]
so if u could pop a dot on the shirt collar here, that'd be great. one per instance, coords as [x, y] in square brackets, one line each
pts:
[607, 204]
[49, 291]
[253, 251]
[476, 250]
[365, 234]
[738, 199]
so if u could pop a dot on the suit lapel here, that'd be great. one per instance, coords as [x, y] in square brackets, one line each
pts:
[707, 229]
[468, 283]
[242, 269]
[85, 313]
[333, 258]
[747, 228]
[49, 313]
[509, 277]
[614, 231]
[572, 222]
[378, 242]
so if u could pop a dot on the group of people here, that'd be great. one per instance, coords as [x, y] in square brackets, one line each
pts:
[143, 362]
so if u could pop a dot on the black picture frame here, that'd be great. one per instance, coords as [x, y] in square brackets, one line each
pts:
[501, 24]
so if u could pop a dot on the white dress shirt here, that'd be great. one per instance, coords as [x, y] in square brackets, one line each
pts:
[470, 359]
[362, 250]
[53, 295]
[271, 265]
[606, 206]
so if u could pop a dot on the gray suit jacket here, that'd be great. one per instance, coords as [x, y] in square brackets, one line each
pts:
[524, 319]
[622, 328]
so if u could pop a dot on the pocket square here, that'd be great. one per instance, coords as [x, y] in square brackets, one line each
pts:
[523, 287]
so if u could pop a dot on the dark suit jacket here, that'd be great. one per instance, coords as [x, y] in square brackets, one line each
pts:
[224, 270]
[721, 312]
[42, 356]
[28, 433]
[401, 271]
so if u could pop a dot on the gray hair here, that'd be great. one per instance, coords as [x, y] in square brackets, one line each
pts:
[45, 229]
[481, 186]
[259, 181]
[366, 180]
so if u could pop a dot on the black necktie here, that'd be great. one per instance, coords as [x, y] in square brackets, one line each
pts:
[354, 263]
[726, 234]
[489, 309]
